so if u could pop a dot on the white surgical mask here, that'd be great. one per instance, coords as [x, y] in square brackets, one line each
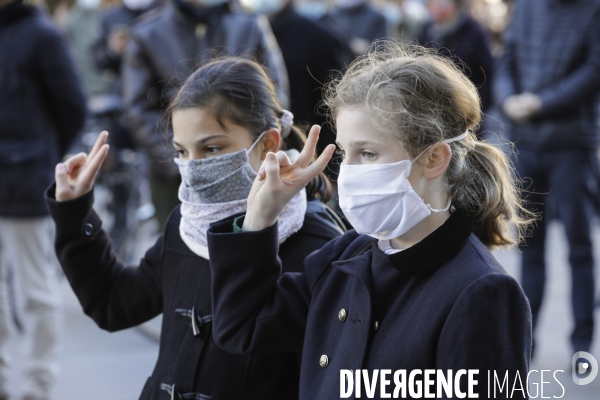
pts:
[263, 6]
[88, 4]
[137, 5]
[312, 10]
[378, 199]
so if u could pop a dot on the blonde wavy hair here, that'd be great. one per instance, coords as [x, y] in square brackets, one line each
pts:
[422, 98]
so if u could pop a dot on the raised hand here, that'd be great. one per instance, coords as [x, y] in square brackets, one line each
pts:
[279, 180]
[75, 177]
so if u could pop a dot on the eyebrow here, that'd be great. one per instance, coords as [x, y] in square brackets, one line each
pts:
[359, 143]
[200, 141]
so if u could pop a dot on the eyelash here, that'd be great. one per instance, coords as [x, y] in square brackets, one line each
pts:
[367, 154]
[215, 149]
[371, 155]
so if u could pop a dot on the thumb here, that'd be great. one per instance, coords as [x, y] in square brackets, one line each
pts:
[271, 167]
[62, 181]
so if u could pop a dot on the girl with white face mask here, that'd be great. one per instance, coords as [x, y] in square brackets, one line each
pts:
[226, 119]
[414, 288]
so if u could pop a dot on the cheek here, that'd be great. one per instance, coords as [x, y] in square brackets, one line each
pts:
[415, 178]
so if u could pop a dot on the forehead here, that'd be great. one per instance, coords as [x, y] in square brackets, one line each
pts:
[196, 119]
[355, 125]
[194, 123]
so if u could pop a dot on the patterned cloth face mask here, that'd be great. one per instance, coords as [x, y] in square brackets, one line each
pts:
[219, 179]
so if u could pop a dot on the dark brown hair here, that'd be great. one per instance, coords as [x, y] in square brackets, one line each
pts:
[422, 98]
[239, 91]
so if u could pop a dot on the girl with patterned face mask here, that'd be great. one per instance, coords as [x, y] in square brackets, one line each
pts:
[414, 289]
[225, 119]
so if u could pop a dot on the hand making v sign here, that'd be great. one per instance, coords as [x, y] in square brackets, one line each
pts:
[279, 180]
[75, 177]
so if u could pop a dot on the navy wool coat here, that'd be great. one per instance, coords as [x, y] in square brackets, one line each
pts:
[172, 280]
[448, 305]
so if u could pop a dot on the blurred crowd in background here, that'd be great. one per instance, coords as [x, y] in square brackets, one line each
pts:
[125, 61]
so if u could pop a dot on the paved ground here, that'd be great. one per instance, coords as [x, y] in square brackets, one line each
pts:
[97, 365]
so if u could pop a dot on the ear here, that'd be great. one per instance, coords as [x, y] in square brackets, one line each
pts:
[437, 161]
[270, 142]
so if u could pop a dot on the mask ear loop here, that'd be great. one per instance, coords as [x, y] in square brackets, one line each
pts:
[255, 142]
[440, 209]
[454, 139]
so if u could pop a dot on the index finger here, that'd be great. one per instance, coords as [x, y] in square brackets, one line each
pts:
[99, 142]
[89, 175]
[308, 151]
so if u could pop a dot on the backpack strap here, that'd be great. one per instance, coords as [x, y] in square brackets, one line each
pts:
[336, 218]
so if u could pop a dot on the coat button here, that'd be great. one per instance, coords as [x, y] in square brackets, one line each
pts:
[88, 229]
[376, 325]
[342, 315]
[324, 361]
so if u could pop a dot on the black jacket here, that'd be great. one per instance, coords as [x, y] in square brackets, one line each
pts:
[444, 303]
[165, 49]
[119, 17]
[173, 280]
[310, 53]
[42, 107]
[361, 21]
[465, 43]
[552, 49]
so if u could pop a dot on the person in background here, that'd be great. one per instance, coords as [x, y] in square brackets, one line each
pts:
[405, 18]
[547, 81]
[163, 50]
[80, 26]
[462, 39]
[108, 48]
[113, 34]
[226, 118]
[319, 12]
[359, 22]
[42, 109]
[311, 54]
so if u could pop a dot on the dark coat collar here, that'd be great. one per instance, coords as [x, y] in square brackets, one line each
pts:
[433, 251]
[423, 258]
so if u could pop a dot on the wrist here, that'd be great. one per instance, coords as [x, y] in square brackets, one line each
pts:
[253, 222]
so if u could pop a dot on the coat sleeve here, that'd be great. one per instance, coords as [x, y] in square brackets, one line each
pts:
[505, 84]
[489, 329]
[61, 86]
[256, 310]
[583, 83]
[143, 110]
[483, 75]
[115, 296]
